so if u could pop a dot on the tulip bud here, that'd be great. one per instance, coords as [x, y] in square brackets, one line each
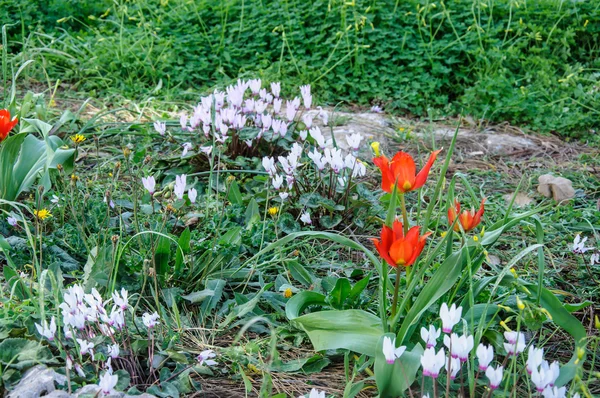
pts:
[520, 304]
[375, 147]
[597, 322]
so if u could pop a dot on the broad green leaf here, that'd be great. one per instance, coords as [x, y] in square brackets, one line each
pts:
[301, 301]
[22, 353]
[339, 294]
[184, 245]
[354, 330]
[197, 297]
[300, 274]
[235, 196]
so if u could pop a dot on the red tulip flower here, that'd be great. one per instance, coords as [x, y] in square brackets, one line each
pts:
[467, 219]
[401, 170]
[6, 124]
[397, 249]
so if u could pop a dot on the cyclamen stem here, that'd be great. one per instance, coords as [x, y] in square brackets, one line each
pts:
[449, 366]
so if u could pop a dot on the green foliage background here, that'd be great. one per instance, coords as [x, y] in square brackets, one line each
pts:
[532, 63]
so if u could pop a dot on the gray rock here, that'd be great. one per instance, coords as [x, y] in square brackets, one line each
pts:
[37, 382]
[559, 188]
[41, 381]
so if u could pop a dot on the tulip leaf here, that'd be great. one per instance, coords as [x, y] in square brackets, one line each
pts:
[301, 301]
[354, 330]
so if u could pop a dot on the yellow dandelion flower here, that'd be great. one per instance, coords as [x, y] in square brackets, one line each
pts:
[476, 238]
[230, 179]
[287, 293]
[77, 138]
[273, 210]
[74, 178]
[42, 214]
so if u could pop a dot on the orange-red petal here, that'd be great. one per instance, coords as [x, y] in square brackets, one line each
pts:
[422, 176]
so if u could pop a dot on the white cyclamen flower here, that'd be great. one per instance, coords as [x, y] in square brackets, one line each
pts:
[204, 358]
[206, 150]
[11, 221]
[150, 320]
[149, 184]
[354, 141]
[535, 356]
[516, 343]
[432, 362]
[192, 195]
[455, 365]
[494, 376]
[283, 196]
[460, 346]
[450, 317]
[306, 96]
[314, 393]
[121, 301]
[555, 392]
[305, 218]
[161, 128]
[276, 89]
[268, 164]
[107, 383]
[594, 258]
[179, 188]
[485, 355]
[390, 351]
[277, 182]
[47, 331]
[430, 336]
[579, 245]
[114, 351]
[187, 146]
[86, 347]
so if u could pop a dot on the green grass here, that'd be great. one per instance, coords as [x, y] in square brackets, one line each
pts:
[532, 64]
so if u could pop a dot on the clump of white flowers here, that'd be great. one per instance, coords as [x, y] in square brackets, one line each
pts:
[458, 349]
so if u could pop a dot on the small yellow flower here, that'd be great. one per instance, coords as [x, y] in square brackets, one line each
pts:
[126, 152]
[503, 324]
[375, 147]
[74, 178]
[512, 271]
[42, 214]
[443, 234]
[273, 210]
[287, 293]
[476, 238]
[401, 129]
[520, 304]
[230, 179]
[77, 138]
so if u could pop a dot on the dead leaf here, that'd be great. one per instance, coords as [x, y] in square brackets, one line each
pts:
[521, 199]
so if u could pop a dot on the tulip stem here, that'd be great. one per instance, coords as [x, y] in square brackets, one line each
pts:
[395, 300]
[404, 214]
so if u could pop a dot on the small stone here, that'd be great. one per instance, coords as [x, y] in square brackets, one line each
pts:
[559, 188]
